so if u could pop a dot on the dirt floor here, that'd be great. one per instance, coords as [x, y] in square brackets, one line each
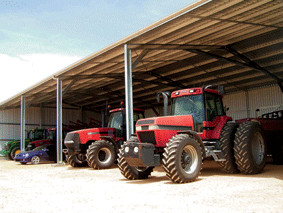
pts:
[55, 188]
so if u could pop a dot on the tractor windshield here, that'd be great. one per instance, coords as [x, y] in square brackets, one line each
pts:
[190, 105]
[116, 120]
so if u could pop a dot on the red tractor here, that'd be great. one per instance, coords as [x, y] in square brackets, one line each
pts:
[98, 147]
[197, 128]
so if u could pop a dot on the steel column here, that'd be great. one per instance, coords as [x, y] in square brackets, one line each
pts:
[59, 122]
[128, 92]
[23, 116]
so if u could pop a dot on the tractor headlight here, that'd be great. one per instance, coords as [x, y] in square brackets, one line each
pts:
[136, 149]
[127, 149]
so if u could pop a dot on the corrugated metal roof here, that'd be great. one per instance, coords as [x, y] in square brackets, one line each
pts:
[234, 43]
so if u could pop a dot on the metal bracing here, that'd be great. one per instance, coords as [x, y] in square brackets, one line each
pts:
[139, 58]
[69, 86]
[23, 123]
[255, 65]
[248, 63]
[59, 122]
[128, 92]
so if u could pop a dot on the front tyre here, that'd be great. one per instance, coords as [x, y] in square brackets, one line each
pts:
[77, 160]
[250, 148]
[101, 154]
[14, 152]
[182, 159]
[131, 172]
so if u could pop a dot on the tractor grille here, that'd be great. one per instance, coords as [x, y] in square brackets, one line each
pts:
[73, 137]
[147, 137]
[145, 122]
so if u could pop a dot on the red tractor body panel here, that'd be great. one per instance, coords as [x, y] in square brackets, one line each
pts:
[94, 134]
[159, 130]
[41, 142]
[212, 129]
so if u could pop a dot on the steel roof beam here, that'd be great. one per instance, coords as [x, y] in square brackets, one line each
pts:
[136, 46]
[252, 65]
[234, 21]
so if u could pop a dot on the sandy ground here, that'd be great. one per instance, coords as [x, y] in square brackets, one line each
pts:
[55, 188]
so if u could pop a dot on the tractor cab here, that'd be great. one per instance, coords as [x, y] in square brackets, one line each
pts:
[205, 105]
[117, 120]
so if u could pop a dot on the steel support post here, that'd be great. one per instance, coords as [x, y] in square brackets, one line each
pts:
[23, 122]
[128, 92]
[59, 122]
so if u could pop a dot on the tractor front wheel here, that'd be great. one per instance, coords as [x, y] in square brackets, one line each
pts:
[101, 154]
[77, 160]
[131, 172]
[250, 148]
[182, 159]
[14, 152]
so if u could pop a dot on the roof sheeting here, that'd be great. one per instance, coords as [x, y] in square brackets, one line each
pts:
[235, 43]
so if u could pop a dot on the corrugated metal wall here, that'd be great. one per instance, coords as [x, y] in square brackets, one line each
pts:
[244, 104]
[10, 120]
[240, 105]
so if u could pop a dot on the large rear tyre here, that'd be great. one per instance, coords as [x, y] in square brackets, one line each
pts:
[182, 159]
[77, 160]
[226, 144]
[14, 152]
[101, 154]
[131, 172]
[250, 148]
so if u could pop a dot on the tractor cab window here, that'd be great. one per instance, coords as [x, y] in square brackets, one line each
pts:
[190, 105]
[214, 106]
[116, 120]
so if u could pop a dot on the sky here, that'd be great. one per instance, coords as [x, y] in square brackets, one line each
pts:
[41, 37]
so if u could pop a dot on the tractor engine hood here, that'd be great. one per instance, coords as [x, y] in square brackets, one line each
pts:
[181, 122]
[160, 130]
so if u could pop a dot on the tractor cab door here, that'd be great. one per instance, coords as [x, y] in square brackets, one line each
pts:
[214, 106]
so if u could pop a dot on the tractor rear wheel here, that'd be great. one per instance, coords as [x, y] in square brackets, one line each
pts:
[101, 154]
[226, 144]
[14, 152]
[131, 172]
[77, 160]
[250, 148]
[182, 159]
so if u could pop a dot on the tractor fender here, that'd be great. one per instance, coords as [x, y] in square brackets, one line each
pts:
[111, 139]
[194, 135]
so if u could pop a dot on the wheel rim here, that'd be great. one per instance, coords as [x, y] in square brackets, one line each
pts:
[104, 155]
[189, 159]
[17, 152]
[258, 148]
[35, 160]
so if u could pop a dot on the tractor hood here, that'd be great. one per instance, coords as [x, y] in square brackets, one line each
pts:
[181, 122]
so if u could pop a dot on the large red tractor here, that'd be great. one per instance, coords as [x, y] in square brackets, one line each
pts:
[197, 128]
[98, 147]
